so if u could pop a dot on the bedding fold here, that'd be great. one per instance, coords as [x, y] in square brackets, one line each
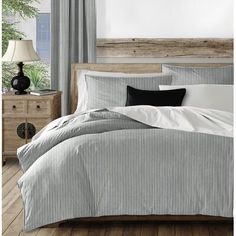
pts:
[103, 163]
[184, 118]
[71, 126]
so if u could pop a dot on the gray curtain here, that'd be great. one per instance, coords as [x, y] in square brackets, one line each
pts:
[73, 40]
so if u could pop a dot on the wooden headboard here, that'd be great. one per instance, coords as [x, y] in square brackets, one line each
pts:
[128, 68]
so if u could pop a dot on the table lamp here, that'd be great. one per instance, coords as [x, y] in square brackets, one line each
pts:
[20, 51]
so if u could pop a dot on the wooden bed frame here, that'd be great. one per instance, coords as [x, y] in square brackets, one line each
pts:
[132, 68]
[147, 218]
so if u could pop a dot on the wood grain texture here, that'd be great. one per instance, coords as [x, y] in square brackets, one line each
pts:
[165, 48]
[6, 167]
[11, 183]
[132, 229]
[38, 110]
[15, 227]
[10, 172]
[200, 229]
[31, 233]
[27, 105]
[80, 231]
[12, 96]
[11, 141]
[182, 229]
[13, 197]
[39, 107]
[220, 229]
[14, 107]
[167, 230]
[56, 104]
[14, 209]
[120, 67]
[115, 229]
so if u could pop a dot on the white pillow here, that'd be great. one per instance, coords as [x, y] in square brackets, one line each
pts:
[211, 96]
[102, 89]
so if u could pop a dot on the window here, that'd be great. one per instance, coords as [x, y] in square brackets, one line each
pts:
[43, 36]
[35, 26]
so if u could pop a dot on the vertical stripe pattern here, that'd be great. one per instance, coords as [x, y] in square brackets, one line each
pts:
[73, 40]
[116, 166]
[200, 75]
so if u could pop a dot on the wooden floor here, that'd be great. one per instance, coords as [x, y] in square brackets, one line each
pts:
[13, 219]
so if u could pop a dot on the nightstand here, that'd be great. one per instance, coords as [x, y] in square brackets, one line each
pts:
[23, 116]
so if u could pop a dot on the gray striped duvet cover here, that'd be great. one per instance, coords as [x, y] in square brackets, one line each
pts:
[107, 164]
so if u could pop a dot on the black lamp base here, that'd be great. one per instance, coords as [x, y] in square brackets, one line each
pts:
[20, 82]
[20, 92]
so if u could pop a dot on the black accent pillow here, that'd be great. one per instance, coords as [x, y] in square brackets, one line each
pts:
[154, 98]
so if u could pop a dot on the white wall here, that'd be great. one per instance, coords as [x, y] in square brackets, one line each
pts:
[164, 18]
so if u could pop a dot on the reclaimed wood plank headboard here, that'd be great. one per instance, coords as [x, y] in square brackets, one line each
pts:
[119, 67]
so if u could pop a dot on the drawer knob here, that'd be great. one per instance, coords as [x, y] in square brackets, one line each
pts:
[14, 107]
[38, 107]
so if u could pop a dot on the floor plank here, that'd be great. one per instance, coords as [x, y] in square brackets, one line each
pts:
[63, 232]
[31, 233]
[5, 167]
[15, 227]
[166, 230]
[132, 229]
[9, 163]
[12, 212]
[81, 231]
[220, 230]
[115, 229]
[200, 229]
[98, 230]
[46, 232]
[183, 229]
[11, 183]
[10, 199]
[11, 171]
[149, 229]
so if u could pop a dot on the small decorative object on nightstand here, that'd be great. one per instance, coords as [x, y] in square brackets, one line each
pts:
[20, 51]
[24, 116]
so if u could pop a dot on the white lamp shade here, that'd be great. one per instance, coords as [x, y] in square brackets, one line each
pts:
[20, 51]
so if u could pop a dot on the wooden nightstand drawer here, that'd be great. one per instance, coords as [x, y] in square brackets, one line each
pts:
[13, 107]
[24, 116]
[41, 107]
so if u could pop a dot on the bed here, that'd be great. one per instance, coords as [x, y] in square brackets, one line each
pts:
[112, 164]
